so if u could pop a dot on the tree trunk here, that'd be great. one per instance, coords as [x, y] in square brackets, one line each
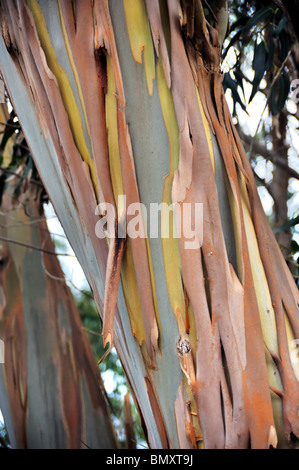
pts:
[280, 183]
[125, 98]
[51, 392]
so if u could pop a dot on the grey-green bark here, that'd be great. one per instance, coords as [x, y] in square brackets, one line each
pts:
[51, 392]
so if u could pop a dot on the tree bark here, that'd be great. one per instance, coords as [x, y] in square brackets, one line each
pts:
[280, 183]
[149, 121]
[51, 392]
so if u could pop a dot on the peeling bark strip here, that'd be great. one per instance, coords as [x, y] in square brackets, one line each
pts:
[116, 251]
[96, 90]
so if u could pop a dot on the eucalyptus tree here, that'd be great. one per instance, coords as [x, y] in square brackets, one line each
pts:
[125, 98]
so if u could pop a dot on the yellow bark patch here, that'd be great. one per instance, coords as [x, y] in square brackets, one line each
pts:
[140, 38]
[261, 287]
[293, 346]
[72, 63]
[112, 133]
[64, 86]
[131, 294]
[171, 253]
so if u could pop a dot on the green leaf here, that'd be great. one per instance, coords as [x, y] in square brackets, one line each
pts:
[282, 23]
[271, 49]
[276, 103]
[285, 45]
[284, 88]
[246, 25]
[239, 79]
[240, 22]
[259, 66]
[294, 247]
[228, 82]
[258, 17]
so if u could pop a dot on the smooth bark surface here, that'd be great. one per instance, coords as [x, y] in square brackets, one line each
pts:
[125, 98]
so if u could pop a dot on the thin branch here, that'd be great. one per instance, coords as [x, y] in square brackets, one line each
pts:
[37, 248]
[83, 292]
[55, 234]
[84, 443]
[273, 157]
[210, 10]
[8, 124]
[22, 224]
[51, 276]
[13, 173]
[92, 332]
[105, 355]
[30, 222]
[265, 184]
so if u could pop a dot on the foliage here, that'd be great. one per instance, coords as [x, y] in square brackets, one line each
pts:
[263, 28]
[4, 440]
